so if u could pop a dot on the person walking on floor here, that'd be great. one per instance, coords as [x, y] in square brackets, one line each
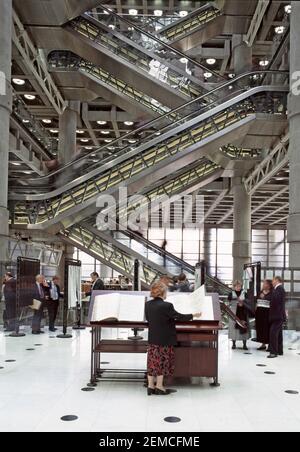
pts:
[161, 317]
[9, 294]
[236, 303]
[277, 318]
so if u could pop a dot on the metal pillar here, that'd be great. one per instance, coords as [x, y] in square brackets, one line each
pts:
[294, 129]
[241, 247]
[67, 132]
[5, 111]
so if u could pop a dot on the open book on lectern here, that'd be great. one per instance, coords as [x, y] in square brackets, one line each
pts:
[119, 307]
[192, 303]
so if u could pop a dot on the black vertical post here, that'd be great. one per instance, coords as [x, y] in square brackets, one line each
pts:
[136, 287]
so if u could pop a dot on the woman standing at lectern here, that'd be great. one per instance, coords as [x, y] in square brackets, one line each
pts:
[161, 317]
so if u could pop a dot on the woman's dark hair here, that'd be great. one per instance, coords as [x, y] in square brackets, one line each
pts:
[182, 277]
[269, 282]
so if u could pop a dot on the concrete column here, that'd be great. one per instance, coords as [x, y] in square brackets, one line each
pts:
[241, 247]
[5, 111]
[294, 147]
[67, 132]
[241, 55]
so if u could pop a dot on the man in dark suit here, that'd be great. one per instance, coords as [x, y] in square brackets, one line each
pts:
[53, 303]
[9, 292]
[97, 284]
[277, 318]
[40, 292]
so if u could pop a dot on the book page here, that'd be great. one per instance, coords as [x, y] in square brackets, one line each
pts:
[106, 307]
[132, 308]
[190, 303]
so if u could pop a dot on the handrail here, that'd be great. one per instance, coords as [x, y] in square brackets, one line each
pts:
[155, 121]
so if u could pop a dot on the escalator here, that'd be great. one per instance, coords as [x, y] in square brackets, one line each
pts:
[179, 144]
[211, 20]
[112, 252]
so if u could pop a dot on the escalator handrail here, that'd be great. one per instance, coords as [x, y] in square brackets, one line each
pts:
[155, 141]
[154, 121]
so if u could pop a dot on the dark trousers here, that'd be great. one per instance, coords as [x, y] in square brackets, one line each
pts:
[37, 318]
[52, 307]
[276, 337]
[10, 314]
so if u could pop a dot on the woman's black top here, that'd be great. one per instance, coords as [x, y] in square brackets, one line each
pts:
[161, 317]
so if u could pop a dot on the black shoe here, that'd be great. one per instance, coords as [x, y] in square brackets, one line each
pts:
[272, 356]
[245, 348]
[42, 332]
[160, 392]
[9, 330]
[52, 330]
[150, 391]
[234, 347]
[281, 354]
[263, 348]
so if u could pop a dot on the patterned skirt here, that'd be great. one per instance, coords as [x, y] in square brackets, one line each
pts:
[160, 360]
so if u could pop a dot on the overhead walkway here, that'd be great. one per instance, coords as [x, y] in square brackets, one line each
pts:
[178, 145]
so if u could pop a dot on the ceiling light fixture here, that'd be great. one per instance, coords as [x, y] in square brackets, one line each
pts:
[46, 121]
[264, 63]
[231, 75]
[133, 12]
[84, 140]
[128, 123]
[26, 121]
[288, 9]
[211, 61]
[54, 131]
[15, 163]
[158, 12]
[88, 148]
[183, 13]
[101, 123]
[279, 30]
[183, 60]
[18, 81]
[29, 96]
[79, 131]
[207, 74]
[105, 132]
[108, 140]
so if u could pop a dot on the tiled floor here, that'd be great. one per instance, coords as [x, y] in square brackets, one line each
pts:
[44, 384]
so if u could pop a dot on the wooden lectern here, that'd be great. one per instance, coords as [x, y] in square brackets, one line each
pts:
[196, 354]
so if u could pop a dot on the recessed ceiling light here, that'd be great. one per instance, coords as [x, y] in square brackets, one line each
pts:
[27, 172]
[108, 140]
[211, 61]
[158, 12]
[128, 123]
[264, 63]
[112, 26]
[288, 9]
[105, 132]
[133, 12]
[183, 60]
[46, 121]
[15, 163]
[207, 74]
[29, 96]
[132, 141]
[157, 133]
[231, 75]
[18, 81]
[101, 123]
[80, 131]
[54, 131]
[26, 121]
[183, 13]
[84, 140]
[88, 148]
[279, 30]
